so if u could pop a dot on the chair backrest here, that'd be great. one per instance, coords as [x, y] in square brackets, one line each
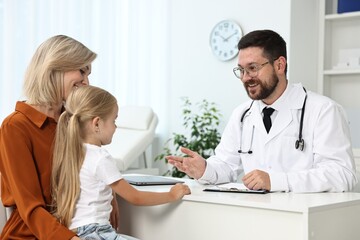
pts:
[135, 117]
[135, 132]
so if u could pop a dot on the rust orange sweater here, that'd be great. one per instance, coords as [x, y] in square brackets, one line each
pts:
[26, 138]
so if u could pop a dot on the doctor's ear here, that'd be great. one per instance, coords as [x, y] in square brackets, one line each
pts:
[280, 63]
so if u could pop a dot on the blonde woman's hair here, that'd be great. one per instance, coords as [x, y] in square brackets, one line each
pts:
[82, 106]
[44, 77]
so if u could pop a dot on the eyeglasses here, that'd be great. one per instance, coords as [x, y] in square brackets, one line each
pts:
[252, 70]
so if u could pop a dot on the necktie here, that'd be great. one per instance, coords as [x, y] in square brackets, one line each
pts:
[267, 120]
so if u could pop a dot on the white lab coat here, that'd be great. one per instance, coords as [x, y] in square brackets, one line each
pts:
[326, 164]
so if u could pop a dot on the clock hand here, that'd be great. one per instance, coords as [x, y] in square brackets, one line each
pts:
[230, 36]
[224, 39]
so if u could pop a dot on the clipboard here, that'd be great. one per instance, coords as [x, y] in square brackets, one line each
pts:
[234, 188]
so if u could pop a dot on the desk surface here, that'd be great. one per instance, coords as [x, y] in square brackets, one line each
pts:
[214, 215]
[292, 202]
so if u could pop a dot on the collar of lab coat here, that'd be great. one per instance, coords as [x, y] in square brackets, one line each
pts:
[292, 99]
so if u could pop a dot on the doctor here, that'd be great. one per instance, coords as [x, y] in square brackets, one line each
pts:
[302, 144]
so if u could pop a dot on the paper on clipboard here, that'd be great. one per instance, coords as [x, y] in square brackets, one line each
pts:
[233, 188]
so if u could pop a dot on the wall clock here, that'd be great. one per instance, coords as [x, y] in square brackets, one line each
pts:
[224, 38]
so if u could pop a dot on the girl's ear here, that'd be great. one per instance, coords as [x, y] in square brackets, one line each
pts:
[95, 124]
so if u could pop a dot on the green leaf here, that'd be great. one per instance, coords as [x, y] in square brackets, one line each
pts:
[200, 122]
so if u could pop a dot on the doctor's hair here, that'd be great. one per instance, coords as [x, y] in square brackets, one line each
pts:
[82, 106]
[273, 45]
[44, 77]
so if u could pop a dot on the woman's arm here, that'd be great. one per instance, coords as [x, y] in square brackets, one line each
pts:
[25, 163]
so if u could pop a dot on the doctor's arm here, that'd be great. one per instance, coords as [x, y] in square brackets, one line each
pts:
[225, 166]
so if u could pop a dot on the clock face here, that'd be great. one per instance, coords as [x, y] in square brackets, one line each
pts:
[224, 39]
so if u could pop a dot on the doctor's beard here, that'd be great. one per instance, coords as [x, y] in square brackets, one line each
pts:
[266, 89]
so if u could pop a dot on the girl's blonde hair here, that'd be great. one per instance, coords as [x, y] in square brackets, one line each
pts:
[82, 106]
[43, 83]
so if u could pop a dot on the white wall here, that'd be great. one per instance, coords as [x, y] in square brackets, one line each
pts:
[303, 44]
[194, 71]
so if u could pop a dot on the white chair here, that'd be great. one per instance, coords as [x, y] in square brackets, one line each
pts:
[135, 133]
[3, 216]
[357, 164]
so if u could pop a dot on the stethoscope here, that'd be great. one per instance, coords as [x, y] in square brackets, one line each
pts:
[299, 143]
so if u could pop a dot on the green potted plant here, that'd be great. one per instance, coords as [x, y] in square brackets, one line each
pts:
[202, 135]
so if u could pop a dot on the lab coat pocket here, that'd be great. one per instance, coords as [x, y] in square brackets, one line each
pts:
[291, 158]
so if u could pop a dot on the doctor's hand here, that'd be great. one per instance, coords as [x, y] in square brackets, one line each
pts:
[256, 180]
[193, 164]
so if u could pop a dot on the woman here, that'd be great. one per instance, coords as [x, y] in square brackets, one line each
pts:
[59, 65]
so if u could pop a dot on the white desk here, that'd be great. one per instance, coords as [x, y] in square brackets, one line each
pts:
[226, 216]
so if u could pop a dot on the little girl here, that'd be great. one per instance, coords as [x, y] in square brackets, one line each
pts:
[84, 174]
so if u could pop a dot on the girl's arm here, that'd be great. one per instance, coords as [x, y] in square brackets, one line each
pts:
[114, 216]
[142, 198]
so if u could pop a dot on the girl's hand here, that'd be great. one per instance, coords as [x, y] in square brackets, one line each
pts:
[179, 190]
